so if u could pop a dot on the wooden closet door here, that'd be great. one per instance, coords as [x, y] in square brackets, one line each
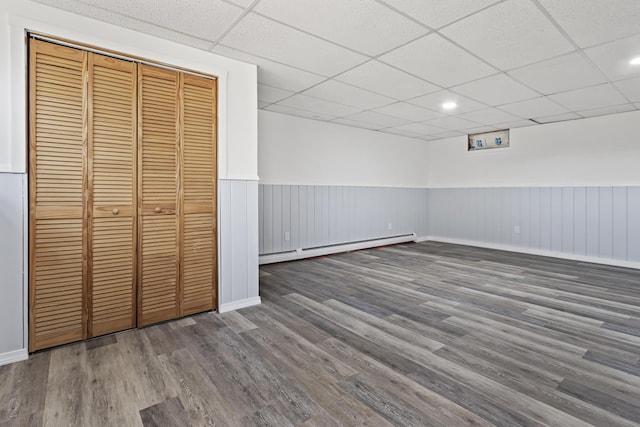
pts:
[57, 239]
[112, 184]
[158, 205]
[199, 274]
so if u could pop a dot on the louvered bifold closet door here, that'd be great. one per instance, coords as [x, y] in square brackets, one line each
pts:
[57, 122]
[199, 188]
[112, 180]
[158, 183]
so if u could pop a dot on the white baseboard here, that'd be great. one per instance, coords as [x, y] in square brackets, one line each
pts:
[553, 254]
[13, 356]
[335, 249]
[237, 305]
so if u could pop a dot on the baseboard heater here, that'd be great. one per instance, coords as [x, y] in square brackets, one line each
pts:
[334, 249]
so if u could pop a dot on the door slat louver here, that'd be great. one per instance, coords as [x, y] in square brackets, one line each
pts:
[112, 180]
[58, 117]
[158, 160]
[199, 177]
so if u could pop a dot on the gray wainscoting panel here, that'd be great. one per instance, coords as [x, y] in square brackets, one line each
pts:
[238, 258]
[307, 216]
[13, 190]
[602, 222]
[633, 224]
[597, 222]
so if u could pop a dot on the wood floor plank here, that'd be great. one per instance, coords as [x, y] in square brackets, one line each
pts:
[237, 322]
[203, 401]
[23, 390]
[308, 374]
[426, 406]
[167, 413]
[66, 387]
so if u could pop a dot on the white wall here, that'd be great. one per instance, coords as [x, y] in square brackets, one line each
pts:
[589, 152]
[599, 151]
[237, 147]
[294, 150]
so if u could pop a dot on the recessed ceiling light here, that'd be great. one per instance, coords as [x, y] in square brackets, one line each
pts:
[449, 105]
[635, 61]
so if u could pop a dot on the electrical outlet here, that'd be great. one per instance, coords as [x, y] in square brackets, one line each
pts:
[389, 226]
[287, 236]
[516, 229]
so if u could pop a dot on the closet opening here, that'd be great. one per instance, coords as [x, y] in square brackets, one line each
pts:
[122, 192]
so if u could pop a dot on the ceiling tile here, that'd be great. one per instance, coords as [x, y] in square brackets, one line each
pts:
[559, 74]
[437, 13]
[297, 112]
[241, 3]
[364, 25]
[589, 98]
[428, 138]
[378, 119]
[434, 101]
[272, 73]
[496, 90]
[420, 129]
[438, 61]
[118, 19]
[607, 110]
[517, 124]
[558, 118]
[630, 88]
[271, 94]
[357, 124]
[453, 123]
[206, 19]
[342, 93]
[489, 116]
[263, 37]
[381, 78]
[509, 35]
[613, 58]
[308, 103]
[590, 22]
[409, 112]
[537, 107]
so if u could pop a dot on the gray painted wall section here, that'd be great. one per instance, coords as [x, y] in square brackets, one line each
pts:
[12, 191]
[238, 257]
[599, 222]
[595, 222]
[316, 215]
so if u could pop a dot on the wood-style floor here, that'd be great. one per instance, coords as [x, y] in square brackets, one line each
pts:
[413, 335]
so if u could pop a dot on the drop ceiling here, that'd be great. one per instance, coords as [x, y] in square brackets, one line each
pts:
[389, 65]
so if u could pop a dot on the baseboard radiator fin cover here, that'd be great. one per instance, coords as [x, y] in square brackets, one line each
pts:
[303, 253]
